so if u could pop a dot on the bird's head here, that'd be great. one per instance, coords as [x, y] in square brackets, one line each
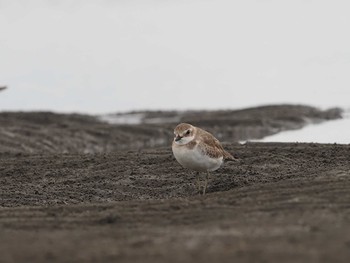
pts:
[184, 133]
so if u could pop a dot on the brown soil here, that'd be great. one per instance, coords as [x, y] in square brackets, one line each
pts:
[45, 132]
[280, 203]
[76, 189]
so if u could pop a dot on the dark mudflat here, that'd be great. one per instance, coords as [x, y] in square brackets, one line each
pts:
[280, 203]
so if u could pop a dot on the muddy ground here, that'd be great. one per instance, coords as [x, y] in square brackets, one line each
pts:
[70, 192]
[47, 132]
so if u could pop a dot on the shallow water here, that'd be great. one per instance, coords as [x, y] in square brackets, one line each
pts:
[336, 131]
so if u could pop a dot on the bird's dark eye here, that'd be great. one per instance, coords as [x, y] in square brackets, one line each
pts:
[188, 132]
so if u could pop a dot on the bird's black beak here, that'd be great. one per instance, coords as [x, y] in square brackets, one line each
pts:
[178, 138]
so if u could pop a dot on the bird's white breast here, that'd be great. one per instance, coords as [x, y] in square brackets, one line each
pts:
[195, 159]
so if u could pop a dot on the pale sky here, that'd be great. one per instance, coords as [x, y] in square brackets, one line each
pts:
[107, 56]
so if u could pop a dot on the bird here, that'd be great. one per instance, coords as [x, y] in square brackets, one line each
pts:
[198, 150]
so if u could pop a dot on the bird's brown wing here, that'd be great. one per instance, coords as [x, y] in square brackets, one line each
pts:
[212, 147]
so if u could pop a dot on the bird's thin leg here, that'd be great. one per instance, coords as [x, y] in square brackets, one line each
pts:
[206, 182]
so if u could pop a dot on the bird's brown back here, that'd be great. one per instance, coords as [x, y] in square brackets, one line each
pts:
[211, 145]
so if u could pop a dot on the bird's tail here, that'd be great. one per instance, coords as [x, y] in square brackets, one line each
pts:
[230, 157]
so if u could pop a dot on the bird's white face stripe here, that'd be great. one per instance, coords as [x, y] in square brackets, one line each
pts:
[184, 140]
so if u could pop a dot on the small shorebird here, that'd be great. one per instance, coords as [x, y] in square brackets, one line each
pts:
[197, 149]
